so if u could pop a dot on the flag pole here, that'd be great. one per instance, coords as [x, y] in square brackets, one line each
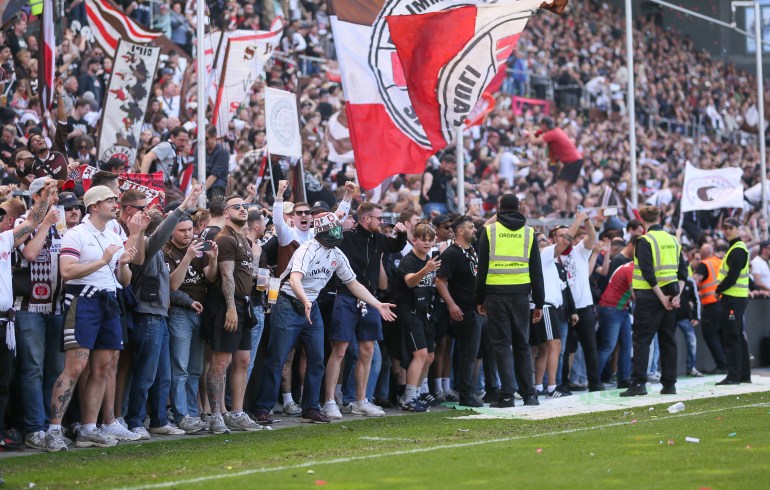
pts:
[758, 48]
[631, 104]
[202, 101]
[460, 170]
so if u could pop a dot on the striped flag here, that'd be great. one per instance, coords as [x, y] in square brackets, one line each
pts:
[109, 24]
[47, 43]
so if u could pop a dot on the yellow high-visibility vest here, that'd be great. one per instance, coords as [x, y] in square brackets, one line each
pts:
[741, 287]
[509, 255]
[665, 259]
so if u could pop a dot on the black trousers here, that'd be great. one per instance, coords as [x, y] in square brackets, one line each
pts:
[7, 358]
[468, 338]
[650, 318]
[711, 321]
[487, 356]
[733, 340]
[508, 328]
[584, 332]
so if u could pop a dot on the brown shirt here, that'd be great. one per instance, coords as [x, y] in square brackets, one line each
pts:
[194, 283]
[234, 247]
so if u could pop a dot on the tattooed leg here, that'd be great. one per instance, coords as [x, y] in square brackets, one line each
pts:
[74, 363]
[215, 381]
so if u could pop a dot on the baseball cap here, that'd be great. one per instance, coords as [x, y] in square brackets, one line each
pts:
[68, 200]
[731, 222]
[38, 184]
[440, 220]
[23, 154]
[320, 206]
[97, 194]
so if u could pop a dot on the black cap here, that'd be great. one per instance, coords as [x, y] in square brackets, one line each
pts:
[68, 200]
[319, 207]
[170, 207]
[440, 220]
[732, 222]
[386, 223]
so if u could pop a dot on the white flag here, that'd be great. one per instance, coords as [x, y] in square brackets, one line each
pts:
[282, 121]
[711, 189]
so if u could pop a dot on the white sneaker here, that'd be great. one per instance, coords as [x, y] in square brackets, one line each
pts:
[217, 425]
[167, 430]
[347, 409]
[36, 440]
[242, 422]
[119, 433]
[94, 438]
[367, 409]
[191, 425]
[143, 434]
[331, 410]
[122, 422]
[695, 373]
[292, 409]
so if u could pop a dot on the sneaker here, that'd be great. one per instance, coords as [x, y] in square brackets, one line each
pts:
[119, 433]
[491, 396]
[243, 422]
[330, 410]
[554, 394]
[531, 401]
[383, 402]
[366, 409]
[542, 392]
[205, 418]
[415, 405]
[564, 390]
[635, 390]
[695, 373]
[94, 438]
[35, 440]
[122, 422]
[653, 378]
[167, 430]
[668, 390]
[347, 409]
[452, 396]
[142, 432]
[624, 383]
[314, 416]
[517, 395]
[54, 441]
[440, 397]
[292, 409]
[596, 387]
[263, 417]
[191, 425]
[576, 387]
[217, 425]
[469, 401]
[72, 431]
[503, 402]
[428, 399]
[11, 441]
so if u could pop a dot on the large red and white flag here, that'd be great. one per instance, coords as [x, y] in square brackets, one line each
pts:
[110, 24]
[47, 45]
[402, 65]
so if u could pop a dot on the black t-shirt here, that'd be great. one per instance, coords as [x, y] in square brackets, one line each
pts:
[616, 262]
[459, 267]
[404, 296]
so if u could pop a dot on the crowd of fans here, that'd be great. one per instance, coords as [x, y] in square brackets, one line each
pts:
[169, 340]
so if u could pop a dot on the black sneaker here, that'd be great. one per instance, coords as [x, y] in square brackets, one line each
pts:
[564, 389]
[576, 387]
[503, 402]
[531, 401]
[542, 392]
[314, 416]
[383, 403]
[635, 390]
[668, 390]
[597, 387]
[728, 381]
[263, 417]
[624, 383]
[470, 401]
[415, 405]
[557, 394]
[428, 400]
[491, 396]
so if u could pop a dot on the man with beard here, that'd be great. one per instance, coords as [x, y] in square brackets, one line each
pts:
[296, 315]
[49, 162]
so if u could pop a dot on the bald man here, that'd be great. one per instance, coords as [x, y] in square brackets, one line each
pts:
[706, 276]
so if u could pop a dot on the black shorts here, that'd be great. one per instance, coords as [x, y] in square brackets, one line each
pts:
[214, 329]
[570, 171]
[440, 319]
[548, 328]
[416, 333]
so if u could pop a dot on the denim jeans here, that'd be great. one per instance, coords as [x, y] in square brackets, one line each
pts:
[563, 331]
[653, 366]
[614, 327]
[186, 349]
[690, 339]
[256, 336]
[40, 361]
[349, 372]
[151, 372]
[286, 326]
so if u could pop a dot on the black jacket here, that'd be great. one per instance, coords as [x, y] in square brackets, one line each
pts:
[364, 251]
[512, 220]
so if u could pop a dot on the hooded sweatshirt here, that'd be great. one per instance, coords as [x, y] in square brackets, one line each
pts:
[513, 220]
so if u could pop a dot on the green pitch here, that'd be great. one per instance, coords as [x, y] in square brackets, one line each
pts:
[631, 448]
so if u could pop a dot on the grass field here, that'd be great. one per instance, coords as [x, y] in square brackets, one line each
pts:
[633, 448]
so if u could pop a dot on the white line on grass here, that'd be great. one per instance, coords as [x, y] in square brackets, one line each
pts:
[420, 450]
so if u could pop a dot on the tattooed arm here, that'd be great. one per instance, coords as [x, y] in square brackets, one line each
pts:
[35, 215]
[228, 290]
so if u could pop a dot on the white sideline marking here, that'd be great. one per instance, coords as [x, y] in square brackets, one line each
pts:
[397, 439]
[421, 450]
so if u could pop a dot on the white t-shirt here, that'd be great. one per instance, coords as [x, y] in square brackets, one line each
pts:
[576, 265]
[551, 279]
[318, 263]
[760, 266]
[6, 283]
[87, 244]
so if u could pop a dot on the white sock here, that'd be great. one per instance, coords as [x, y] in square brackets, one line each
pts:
[89, 427]
[551, 388]
[424, 386]
[445, 384]
[236, 414]
[539, 387]
[287, 398]
[54, 427]
[114, 424]
[410, 393]
[437, 385]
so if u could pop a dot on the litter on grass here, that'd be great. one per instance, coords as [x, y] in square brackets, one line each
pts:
[676, 408]
[539, 450]
[733, 434]
[463, 430]
[692, 439]
[310, 472]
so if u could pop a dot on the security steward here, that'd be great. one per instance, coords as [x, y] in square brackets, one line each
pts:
[658, 280]
[733, 285]
[711, 309]
[509, 269]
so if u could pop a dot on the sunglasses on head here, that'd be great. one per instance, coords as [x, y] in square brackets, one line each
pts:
[305, 212]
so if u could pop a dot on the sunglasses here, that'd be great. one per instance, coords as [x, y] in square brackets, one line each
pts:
[138, 208]
[376, 217]
[728, 227]
[238, 206]
[70, 208]
[302, 213]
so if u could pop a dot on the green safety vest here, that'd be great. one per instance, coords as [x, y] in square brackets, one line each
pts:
[665, 259]
[741, 287]
[508, 255]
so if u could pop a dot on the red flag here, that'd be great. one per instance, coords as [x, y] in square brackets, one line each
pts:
[109, 24]
[47, 67]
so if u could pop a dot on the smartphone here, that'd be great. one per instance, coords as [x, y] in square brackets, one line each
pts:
[206, 246]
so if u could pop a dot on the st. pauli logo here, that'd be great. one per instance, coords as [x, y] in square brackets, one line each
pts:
[710, 189]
